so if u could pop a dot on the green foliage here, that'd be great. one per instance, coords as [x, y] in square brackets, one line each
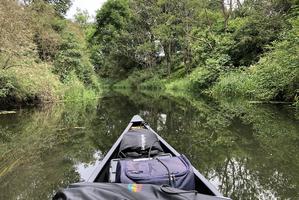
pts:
[112, 17]
[110, 42]
[235, 83]
[21, 86]
[202, 78]
[195, 43]
[60, 6]
[249, 49]
[47, 28]
[252, 36]
[211, 49]
[82, 17]
[76, 91]
[178, 85]
[274, 77]
[277, 74]
[64, 44]
[69, 57]
[6, 84]
[141, 80]
[154, 83]
[33, 38]
[198, 81]
[15, 34]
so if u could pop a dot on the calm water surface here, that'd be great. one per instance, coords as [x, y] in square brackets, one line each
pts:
[247, 151]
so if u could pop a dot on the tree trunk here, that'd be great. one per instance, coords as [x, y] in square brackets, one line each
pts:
[239, 4]
[226, 12]
[5, 65]
[169, 59]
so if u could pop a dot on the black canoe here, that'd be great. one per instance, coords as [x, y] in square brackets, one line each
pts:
[100, 176]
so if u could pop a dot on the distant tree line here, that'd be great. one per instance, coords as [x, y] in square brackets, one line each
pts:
[126, 31]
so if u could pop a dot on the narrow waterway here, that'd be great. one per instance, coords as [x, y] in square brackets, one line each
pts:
[247, 151]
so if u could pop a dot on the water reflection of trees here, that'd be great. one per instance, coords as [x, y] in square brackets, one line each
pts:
[275, 158]
[248, 151]
[42, 148]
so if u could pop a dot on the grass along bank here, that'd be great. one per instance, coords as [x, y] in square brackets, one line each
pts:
[20, 86]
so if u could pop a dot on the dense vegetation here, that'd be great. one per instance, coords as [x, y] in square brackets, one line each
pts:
[43, 57]
[223, 48]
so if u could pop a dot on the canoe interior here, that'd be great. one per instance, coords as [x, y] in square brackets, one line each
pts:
[101, 174]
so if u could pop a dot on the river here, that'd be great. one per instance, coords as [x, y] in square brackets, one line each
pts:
[247, 151]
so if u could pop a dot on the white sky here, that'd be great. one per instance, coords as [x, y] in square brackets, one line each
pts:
[90, 5]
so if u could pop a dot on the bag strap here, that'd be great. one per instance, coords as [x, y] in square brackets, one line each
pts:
[170, 176]
[150, 149]
[168, 190]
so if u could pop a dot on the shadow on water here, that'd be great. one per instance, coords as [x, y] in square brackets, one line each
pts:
[247, 151]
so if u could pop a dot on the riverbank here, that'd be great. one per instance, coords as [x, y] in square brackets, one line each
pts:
[43, 56]
[249, 51]
[21, 87]
[275, 77]
[235, 84]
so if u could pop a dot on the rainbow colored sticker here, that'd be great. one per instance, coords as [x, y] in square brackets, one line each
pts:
[135, 187]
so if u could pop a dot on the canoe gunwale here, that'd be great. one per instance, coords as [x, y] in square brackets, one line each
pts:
[107, 157]
[196, 172]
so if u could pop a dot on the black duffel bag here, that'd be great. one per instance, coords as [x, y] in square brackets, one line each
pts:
[138, 143]
[114, 191]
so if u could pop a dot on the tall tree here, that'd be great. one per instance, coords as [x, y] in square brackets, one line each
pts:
[82, 17]
[109, 43]
[61, 6]
[227, 9]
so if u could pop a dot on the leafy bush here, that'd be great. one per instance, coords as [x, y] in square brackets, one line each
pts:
[198, 81]
[34, 83]
[69, 57]
[274, 77]
[154, 83]
[6, 84]
[178, 85]
[202, 78]
[15, 34]
[32, 38]
[277, 74]
[254, 31]
[235, 83]
[76, 91]
[72, 57]
[123, 84]
[145, 79]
